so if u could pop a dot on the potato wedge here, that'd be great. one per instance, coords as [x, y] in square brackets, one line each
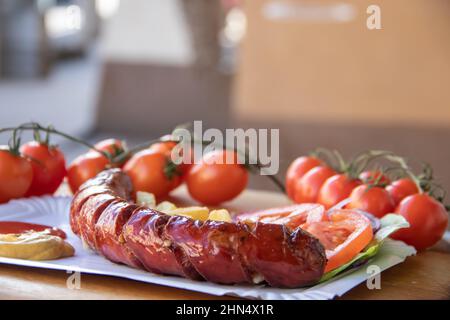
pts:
[220, 215]
[146, 199]
[198, 213]
[166, 206]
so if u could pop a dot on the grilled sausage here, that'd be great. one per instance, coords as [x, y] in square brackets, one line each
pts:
[107, 221]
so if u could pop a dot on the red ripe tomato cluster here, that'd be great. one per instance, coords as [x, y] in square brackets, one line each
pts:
[37, 168]
[309, 179]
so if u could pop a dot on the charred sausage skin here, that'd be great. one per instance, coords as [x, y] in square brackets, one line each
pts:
[105, 218]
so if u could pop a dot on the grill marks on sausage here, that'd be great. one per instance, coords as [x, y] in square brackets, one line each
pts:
[212, 247]
[109, 239]
[269, 252]
[219, 252]
[89, 214]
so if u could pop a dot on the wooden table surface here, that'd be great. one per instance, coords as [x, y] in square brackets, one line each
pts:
[425, 276]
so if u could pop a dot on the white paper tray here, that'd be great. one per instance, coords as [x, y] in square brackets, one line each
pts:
[54, 211]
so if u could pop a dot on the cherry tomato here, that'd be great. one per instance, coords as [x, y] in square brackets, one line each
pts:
[163, 147]
[308, 187]
[344, 235]
[297, 169]
[428, 221]
[49, 167]
[85, 167]
[375, 200]
[16, 175]
[336, 189]
[113, 146]
[166, 148]
[88, 165]
[213, 181]
[402, 188]
[370, 177]
[148, 172]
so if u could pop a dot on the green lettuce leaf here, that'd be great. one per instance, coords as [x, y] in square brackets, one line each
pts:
[389, 224]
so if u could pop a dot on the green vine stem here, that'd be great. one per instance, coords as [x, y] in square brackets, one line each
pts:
[36, 127]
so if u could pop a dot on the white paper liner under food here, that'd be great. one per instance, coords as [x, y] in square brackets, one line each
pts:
[54, 211]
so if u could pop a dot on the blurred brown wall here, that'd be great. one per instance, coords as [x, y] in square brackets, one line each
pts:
[328, 71]
[342, 86]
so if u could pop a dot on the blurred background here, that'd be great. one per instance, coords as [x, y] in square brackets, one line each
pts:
[134, 69]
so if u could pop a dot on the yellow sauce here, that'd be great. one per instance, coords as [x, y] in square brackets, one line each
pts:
[34, 246]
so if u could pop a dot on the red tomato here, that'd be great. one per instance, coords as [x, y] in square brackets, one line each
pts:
[375, 200]
[166, 148]
[163, 147]
[344, 235]
[336, 189]
[147, 170]
[428, 221]
[308, 187]
[402, 188]
[370, 177]
[49, 167]
[213, 181]
[16, 175]
[296, 170]
[113, 146]
[85, 167]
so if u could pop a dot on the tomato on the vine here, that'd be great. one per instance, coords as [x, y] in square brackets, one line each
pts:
[112, 146]
[166, 147]
[375, 200]
[213, 180]
[297, 169]
[16, 175]
[307, 188]
[49, 167]
[336, 188]
[152, 172]
[374, 177]
[428, 220]
[402, 188]
[85, 167]
[88, 165]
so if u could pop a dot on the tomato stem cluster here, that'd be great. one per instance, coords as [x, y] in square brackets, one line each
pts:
[36, 128]
[425, 181]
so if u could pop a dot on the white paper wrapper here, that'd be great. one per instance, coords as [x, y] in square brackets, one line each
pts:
[54, 211]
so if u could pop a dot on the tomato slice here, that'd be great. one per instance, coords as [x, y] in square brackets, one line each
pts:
[344, 234]
[292, 216]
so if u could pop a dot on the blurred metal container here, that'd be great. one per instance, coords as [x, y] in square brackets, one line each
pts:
[24, 51]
